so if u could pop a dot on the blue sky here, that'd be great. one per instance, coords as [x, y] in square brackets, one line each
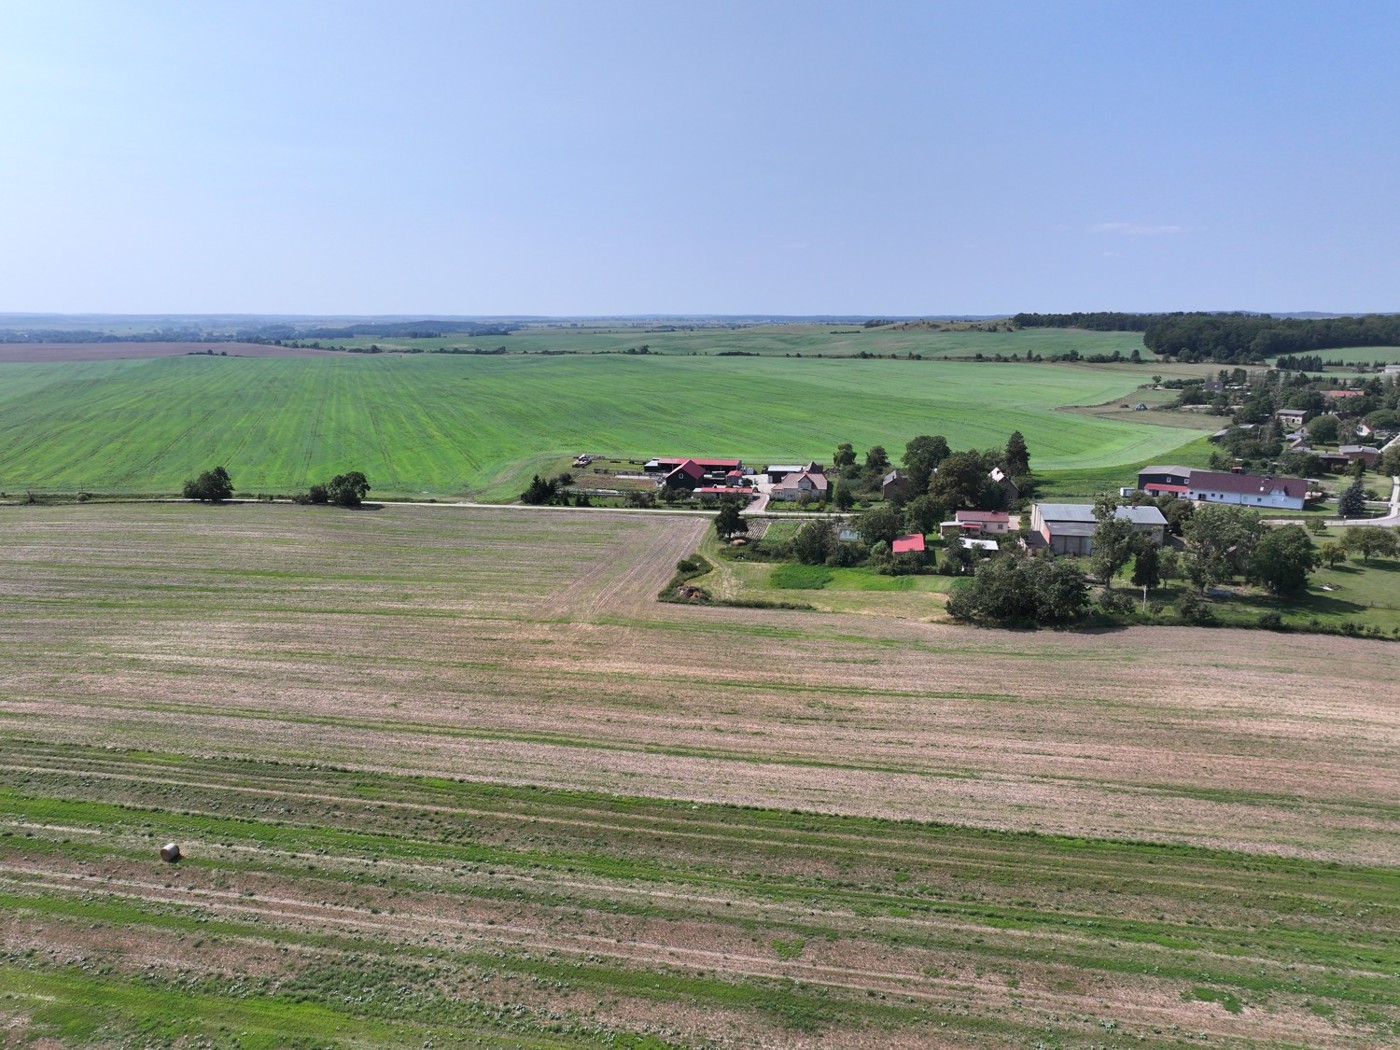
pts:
[707, 157]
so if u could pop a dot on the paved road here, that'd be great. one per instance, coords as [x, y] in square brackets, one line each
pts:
[1393, 518]
[686, 512]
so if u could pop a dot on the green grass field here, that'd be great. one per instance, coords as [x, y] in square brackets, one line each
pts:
[780, 340]
[453, 425]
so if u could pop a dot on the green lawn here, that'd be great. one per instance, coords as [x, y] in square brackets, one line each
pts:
[443, 425]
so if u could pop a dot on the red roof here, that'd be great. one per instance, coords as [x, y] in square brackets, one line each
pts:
[722, 490]
[707, 464]
[1180, 490]
[908, 544]
[989, 516]
[691, 468]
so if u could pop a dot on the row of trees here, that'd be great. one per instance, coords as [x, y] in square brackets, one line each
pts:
[1230, 337]
[343, 490]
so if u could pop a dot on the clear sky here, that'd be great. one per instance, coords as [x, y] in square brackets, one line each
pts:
[599, 157]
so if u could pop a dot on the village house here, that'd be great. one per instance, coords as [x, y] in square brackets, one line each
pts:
[1068, 528]
[793, 486]
[910, 544]
[1368, 454]
[1215, 486]
[1007, 485]
[982, 522]
[687, 474]
[893, 485]
[1291, 416]
[779, 472]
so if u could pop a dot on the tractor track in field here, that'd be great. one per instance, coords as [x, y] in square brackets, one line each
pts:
[837, 844]
[643, 954]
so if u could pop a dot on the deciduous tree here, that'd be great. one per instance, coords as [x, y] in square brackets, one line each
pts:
[1220, 543]
[347, 490]
[921, 456]
[1013, 588]
[213, 486]
[729, 522]
[813, 543]
[1283, 559]
[879, 525]
[924, 514]
[1147, 567]
[1371, 542]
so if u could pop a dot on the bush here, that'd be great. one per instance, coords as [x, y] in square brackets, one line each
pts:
[1192, 608]
[1271, 621]
[1117, 603]
[845, 555]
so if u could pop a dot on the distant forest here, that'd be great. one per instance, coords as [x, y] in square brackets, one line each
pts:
[1230, 338]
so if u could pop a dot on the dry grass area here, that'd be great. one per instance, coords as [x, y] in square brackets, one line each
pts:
[469, 746]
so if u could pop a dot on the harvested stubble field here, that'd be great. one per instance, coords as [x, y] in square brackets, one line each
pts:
[454, 776]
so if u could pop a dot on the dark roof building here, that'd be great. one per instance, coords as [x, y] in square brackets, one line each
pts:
[1218, 486]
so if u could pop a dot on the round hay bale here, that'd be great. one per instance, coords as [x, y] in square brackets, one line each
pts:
[170, 853]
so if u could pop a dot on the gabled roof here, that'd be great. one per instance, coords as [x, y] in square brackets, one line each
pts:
[818, 480]
[706, 464]
[1170, 468]
[892, 477]
[988, 516]
[690, 468]
[913, 543]
[1248, 484]
[1083, 514]
[1354, 450]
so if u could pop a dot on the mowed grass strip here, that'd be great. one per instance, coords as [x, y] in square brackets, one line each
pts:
[446, 425]
[513, 910]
